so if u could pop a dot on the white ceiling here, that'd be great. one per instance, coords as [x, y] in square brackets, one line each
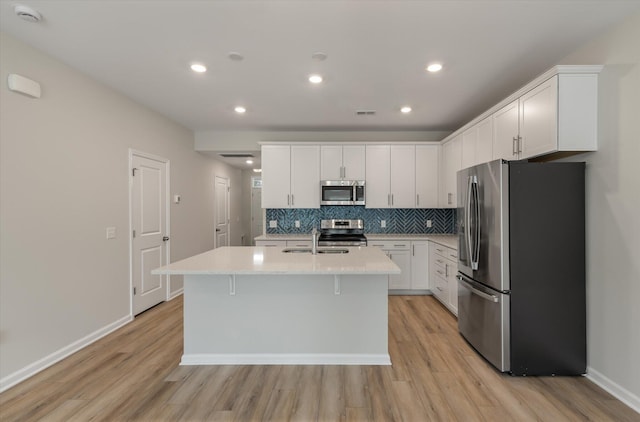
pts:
[377, 52]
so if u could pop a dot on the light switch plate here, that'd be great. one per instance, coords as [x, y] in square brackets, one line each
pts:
[297, 224]
[429, 223]
[383, 223]
[111, 232]
[273, 224]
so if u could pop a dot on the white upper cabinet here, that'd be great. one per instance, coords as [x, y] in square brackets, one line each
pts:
[378, 185]
[391, 176]
[276, 176]
[290, 176]
[427, 176]
[484, 141]
[451, 163]
[558, 114]
[342, 162]
[469, 146]
[505, 131]
[305, 176]
[403, 176]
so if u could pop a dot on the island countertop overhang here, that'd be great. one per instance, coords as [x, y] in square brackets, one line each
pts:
[256, 260]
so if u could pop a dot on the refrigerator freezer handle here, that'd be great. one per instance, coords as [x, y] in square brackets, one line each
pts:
[483, 295]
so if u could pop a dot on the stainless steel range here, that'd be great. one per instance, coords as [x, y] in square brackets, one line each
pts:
[342, 233]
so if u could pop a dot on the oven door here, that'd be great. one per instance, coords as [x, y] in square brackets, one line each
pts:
[483, 320]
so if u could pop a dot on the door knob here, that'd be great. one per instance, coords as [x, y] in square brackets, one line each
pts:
[165, 238]
[217, 230]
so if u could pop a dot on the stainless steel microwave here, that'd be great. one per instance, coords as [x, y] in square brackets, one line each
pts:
[342, 192]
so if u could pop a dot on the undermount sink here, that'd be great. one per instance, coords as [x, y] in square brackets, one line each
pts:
[303, 250]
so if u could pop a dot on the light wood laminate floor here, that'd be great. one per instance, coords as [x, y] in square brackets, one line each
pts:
[133, 374]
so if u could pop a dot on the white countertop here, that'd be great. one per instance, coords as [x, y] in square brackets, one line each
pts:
[448, 240]
[271, 260]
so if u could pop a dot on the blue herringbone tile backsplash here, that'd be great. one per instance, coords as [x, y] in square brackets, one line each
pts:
[399, 220]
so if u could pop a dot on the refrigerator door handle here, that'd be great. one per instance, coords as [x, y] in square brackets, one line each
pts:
[467, 222]
[483, 295]
[473, 212]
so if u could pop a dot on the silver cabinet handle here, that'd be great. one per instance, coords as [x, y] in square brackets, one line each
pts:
[165, 238]
[514, 147]
[292, 203]
[288, 200]
[391, 199]
[417, 199]
[449, 196]
[519, 144]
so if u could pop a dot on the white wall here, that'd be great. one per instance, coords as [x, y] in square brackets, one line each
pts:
[613, 204]
[63, 180]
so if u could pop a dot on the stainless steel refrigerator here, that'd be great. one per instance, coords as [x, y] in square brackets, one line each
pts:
[521, 265]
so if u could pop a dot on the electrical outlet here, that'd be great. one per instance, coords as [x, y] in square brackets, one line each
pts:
[297, 224]
[273, 224]
[429, 223]
[383, 223]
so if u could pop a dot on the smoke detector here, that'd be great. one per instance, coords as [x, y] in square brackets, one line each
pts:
[26, 13]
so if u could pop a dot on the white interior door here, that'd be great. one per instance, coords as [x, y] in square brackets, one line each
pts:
[256, 209]
[150, 229]
[221, 191]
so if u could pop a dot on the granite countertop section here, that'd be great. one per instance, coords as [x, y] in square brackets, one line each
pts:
[244, 260]
[293, 236]
[448, 240]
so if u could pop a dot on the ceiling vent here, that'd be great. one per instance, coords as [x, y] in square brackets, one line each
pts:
[235, 155]
[27, 13]
[365, 112]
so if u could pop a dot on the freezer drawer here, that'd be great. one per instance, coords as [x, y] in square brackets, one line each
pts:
[483, 320]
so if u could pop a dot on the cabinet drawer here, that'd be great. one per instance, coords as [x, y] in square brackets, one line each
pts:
[272, 243]
[298, 243]
[441, 289]
[446, 253]
[390, 245]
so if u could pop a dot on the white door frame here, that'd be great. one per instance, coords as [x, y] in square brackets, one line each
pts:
[228, 210]
[167, 279]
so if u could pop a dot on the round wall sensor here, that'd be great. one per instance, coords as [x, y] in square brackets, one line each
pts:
[26, 13]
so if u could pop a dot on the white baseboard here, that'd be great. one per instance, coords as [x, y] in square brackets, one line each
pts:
[32, 369]
[625, 396]
[285, 359]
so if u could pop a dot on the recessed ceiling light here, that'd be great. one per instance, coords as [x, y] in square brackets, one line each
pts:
[434, 67]
[235, 56]
[319, 56]
[249, 161]
[406, 109]
[26, 13]
[200, 68]
[315, 79]
[240, 110]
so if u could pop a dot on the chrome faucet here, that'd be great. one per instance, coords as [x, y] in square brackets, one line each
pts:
[314, 241]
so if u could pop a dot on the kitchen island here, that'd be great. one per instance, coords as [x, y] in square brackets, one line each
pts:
[262, 305]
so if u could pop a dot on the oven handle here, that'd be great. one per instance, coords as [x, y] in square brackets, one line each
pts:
[483, 295]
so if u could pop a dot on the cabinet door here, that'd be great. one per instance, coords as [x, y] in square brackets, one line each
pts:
[378, 176]
[331, 162]
[276, 176]
[505, 129]
[484, 142]
[539, 120]
[403, 176]
[469, 142]
[451, 163]
[305, 176]
[452, 282]
[427, 176]
[420, 265]
[403, 280]
[353, 162]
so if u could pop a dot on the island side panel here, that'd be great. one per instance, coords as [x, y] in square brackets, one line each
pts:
[286, 319]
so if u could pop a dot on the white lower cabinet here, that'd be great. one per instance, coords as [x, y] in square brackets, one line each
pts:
[443, 264]
[400, 253]
[420, 265]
